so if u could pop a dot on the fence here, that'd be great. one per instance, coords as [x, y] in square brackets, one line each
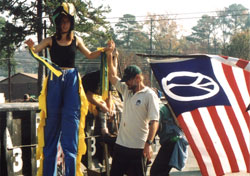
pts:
[18, 138]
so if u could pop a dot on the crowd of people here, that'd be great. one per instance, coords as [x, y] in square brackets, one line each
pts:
[143, 116]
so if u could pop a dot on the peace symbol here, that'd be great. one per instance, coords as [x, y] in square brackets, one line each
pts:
[202, 82]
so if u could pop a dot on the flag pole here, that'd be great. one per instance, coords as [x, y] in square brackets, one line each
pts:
[173, 114]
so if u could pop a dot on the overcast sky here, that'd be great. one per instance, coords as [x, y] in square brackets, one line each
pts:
[141, 7]
[187, 10]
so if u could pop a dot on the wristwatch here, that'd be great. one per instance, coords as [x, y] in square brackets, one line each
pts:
[149, 142]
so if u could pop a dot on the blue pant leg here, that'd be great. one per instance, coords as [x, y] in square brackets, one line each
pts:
[70, 121]
[52, 127]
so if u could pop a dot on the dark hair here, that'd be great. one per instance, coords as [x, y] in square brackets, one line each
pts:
[26, 96]
[58, 34]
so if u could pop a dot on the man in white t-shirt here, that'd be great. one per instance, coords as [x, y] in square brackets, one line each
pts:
[138, 124]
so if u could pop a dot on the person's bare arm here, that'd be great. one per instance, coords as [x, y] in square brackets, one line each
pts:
[153, 126]
[110, 104]
[47, 42]
[109, 100]
[112, 64]
[84, 50]
[101, 105]
[115, 58]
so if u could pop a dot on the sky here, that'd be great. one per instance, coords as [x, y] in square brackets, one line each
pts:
[188, 8]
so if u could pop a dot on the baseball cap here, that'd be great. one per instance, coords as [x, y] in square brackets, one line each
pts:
[130, 72]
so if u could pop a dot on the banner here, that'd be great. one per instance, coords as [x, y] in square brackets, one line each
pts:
[47, 63]
[210, 96]
[104, 76]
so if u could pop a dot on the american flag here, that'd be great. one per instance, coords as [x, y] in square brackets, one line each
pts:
[210, 96]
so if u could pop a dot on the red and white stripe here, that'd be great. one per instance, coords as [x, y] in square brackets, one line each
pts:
[219, 135]
[233, 61]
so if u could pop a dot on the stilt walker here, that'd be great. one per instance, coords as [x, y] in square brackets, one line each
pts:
[62, 101]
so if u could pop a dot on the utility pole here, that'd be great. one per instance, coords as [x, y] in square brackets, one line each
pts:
[151, 36]
[9, 80]
[46, 51]
[39, 38]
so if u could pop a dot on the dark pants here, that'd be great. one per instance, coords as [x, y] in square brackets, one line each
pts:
[127, 161]
[160, 166]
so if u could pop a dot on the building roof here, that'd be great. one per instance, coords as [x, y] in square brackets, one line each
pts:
[16, 77]
[32, 75]
[2, 78]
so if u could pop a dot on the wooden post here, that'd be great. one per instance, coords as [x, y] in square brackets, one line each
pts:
[106, 156]
[9, 80]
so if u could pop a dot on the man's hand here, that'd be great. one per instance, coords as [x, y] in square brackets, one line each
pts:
[115, 53]
[112, 111]
[148, 152]
[110, 47]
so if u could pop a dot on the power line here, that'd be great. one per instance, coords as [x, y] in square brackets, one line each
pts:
[175, 19]
[188, 13]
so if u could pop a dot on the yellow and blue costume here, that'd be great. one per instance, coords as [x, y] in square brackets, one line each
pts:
[63, 106]
[80, 145]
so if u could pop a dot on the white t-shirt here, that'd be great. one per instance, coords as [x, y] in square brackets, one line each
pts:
[138, 110]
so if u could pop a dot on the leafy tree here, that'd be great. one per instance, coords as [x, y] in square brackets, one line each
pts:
[239, 46]
[238, 17]
[130, 34]
[131, 38]
[165, 32]
[125, 28]
[187, 47]
[2, 24]
[4, 55]
[204, 33]
[212, 34]
[247, 26]
[231, 20]
[225, 27]
[2, 52]
[21, 22]
[24, 19]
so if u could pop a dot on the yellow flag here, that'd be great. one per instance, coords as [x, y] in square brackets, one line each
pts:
[46, 63]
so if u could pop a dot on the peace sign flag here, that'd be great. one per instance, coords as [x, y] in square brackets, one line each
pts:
[210, 96]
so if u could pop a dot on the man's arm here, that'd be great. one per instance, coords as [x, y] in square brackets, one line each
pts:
[153, 127]
[112, 63]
